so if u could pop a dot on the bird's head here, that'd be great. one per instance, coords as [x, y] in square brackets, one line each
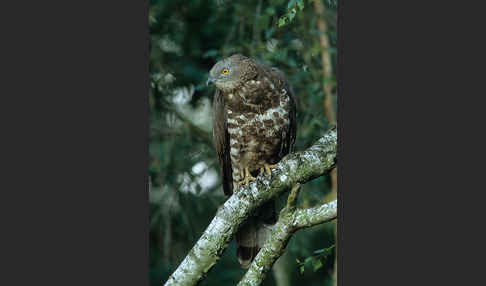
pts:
[231, 72]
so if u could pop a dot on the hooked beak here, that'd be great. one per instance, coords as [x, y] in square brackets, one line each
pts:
[210, 80]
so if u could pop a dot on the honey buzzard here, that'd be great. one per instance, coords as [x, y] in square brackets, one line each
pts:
[254, 127]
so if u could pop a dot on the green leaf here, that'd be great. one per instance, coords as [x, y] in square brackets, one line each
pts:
[302, 269]
[291, 4]
[300, 4]
[317, 264]
[324, 251]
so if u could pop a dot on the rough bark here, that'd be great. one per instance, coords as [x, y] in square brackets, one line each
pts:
[299, 167]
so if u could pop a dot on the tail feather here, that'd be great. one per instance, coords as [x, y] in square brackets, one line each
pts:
[246, 255]
[253, 233]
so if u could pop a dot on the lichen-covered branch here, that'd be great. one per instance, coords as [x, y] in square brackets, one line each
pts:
[299, 167]
[289, 222]
[316, 215]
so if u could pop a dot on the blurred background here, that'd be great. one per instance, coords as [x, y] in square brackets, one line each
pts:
[186, 39]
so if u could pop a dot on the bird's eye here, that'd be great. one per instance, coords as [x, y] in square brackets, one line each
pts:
[225, 71]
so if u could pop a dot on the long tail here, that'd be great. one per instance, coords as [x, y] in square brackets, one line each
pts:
[253, 233]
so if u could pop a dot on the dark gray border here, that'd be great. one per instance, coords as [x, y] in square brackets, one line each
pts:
[406, 143]
[339, 156]
[74, 141]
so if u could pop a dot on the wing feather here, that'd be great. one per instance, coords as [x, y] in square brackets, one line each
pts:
[290, 134]
[290, 139]
[222, 141]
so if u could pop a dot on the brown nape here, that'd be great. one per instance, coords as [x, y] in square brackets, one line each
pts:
[245, 255]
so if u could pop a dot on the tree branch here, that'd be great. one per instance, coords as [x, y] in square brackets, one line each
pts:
[289, 222]
[326, 61]
[316, 215]
[299, 167]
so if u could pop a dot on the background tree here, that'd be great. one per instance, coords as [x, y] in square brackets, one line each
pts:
[186, 39]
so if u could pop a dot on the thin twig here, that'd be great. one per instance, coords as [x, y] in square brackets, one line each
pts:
[293, 196]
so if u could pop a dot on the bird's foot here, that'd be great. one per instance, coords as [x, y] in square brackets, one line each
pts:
[268, 168]
[248, 178]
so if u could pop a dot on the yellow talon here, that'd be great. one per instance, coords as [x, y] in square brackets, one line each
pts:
[248, 178]
[269, 167]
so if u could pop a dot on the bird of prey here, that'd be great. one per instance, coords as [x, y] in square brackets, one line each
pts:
[254, 126]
